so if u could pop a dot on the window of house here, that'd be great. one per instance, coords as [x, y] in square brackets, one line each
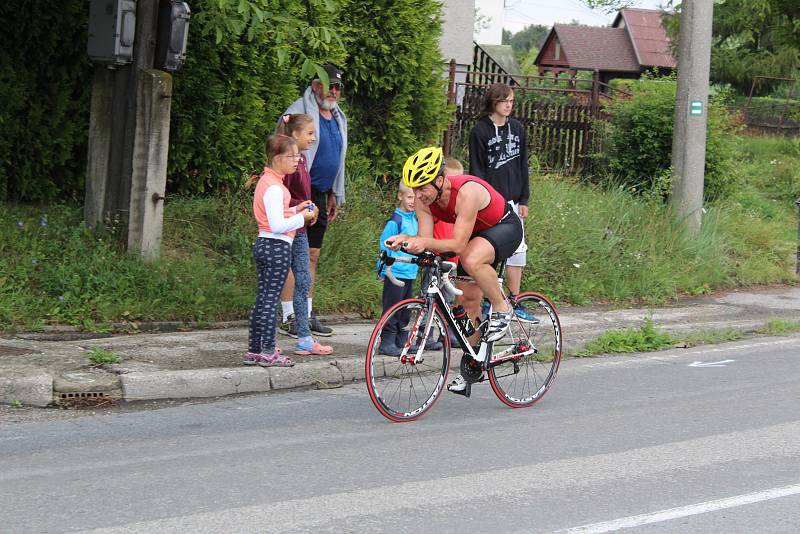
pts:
[558, 50]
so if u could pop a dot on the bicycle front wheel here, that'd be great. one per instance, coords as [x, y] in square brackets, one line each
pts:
[402, 387]
[525, 361]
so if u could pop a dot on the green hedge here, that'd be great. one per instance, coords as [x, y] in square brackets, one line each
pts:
[45, 84]
[397, 90]
[247, 60]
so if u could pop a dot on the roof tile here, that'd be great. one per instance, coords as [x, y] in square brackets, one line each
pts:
[591, 47]
[650, 41]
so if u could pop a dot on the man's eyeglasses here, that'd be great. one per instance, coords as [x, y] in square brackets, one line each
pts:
[336, 85]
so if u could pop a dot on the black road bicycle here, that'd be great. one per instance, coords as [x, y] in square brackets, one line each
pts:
[520, 367]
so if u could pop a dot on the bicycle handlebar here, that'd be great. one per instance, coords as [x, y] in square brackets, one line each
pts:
[424, 259]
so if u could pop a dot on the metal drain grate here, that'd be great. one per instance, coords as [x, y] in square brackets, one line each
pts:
[86, 399]
[85, 395]
[6, 350]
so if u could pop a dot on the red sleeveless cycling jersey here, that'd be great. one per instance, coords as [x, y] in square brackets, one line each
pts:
[487, 217]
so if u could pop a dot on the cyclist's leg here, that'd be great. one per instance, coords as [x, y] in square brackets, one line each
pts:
[477, 261]
[503, 239]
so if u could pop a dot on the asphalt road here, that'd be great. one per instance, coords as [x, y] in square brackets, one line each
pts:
[663, 442]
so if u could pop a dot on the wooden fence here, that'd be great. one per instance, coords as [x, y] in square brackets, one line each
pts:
[558, 115]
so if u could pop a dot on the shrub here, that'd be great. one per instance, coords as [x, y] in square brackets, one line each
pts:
[638, 141]
[395, 78]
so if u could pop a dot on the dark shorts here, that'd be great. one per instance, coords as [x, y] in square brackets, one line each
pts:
[505, 237]
[317, 232]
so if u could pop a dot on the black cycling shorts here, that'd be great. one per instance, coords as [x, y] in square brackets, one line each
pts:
[505, 237]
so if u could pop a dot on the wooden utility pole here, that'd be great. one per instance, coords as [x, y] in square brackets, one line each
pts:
[691, 111]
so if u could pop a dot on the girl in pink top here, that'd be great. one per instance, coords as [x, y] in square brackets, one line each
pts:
[277, 223]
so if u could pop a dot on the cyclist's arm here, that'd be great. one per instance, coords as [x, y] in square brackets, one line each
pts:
[425, 219]
[472, 198]
[415, 244]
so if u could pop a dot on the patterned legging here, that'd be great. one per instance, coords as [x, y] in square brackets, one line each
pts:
[272, 258]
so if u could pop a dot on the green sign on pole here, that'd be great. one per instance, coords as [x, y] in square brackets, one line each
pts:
[696, 108]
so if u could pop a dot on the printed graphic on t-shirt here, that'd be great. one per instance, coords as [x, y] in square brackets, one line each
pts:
[502, 151]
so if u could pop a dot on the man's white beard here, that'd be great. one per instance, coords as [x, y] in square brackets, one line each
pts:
[327, 106]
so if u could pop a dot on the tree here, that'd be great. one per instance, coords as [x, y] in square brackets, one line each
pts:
[247, 60]
[395, 77]
[609, 6]
[755, 37]
[524, 41]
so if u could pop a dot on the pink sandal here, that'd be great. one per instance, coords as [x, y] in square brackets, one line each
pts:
[316, 349]
[275, 360]
[251, 358]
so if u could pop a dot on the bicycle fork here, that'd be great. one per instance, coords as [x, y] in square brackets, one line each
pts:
[413, 334]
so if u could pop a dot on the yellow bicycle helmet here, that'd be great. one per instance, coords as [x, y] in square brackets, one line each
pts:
[423, 167]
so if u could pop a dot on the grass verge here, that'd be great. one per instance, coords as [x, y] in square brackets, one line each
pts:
[586, 244]
[648, 338]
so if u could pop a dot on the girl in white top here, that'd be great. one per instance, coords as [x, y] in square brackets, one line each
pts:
[277, 222]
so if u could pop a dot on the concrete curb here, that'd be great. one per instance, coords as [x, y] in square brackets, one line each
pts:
[31, 390]
[218, 382]
[50, 374]
[193, 383]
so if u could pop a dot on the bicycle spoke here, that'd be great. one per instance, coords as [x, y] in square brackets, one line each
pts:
[524, 381]
[403, 391]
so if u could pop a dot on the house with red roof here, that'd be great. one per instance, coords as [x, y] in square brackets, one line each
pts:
[635, 42]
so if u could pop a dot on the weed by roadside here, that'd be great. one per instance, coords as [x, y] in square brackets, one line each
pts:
[709, 337]
[100, 356]
[780, 326]
[643, 339]
[648, 338]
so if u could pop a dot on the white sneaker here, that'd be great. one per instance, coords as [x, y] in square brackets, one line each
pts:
[458, 385]
[498, 325]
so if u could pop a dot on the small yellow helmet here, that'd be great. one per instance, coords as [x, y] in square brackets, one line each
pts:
[423, 167]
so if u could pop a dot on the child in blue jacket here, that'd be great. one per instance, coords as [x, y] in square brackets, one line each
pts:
[403, 221]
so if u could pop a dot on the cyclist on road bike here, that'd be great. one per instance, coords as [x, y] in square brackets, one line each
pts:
[485, 233]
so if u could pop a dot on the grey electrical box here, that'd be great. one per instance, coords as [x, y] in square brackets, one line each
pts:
[112, 25]
[173, 32]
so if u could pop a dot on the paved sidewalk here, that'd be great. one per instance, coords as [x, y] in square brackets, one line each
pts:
[42, 369]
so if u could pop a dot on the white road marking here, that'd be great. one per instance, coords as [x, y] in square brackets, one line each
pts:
[568, 474]
[685, 511]
[671, 354]
[720, 363]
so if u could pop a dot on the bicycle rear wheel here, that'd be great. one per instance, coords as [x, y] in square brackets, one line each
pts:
[520, 376]
[401, 387]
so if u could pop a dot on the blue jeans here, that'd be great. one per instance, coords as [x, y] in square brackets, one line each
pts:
[302, 282]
